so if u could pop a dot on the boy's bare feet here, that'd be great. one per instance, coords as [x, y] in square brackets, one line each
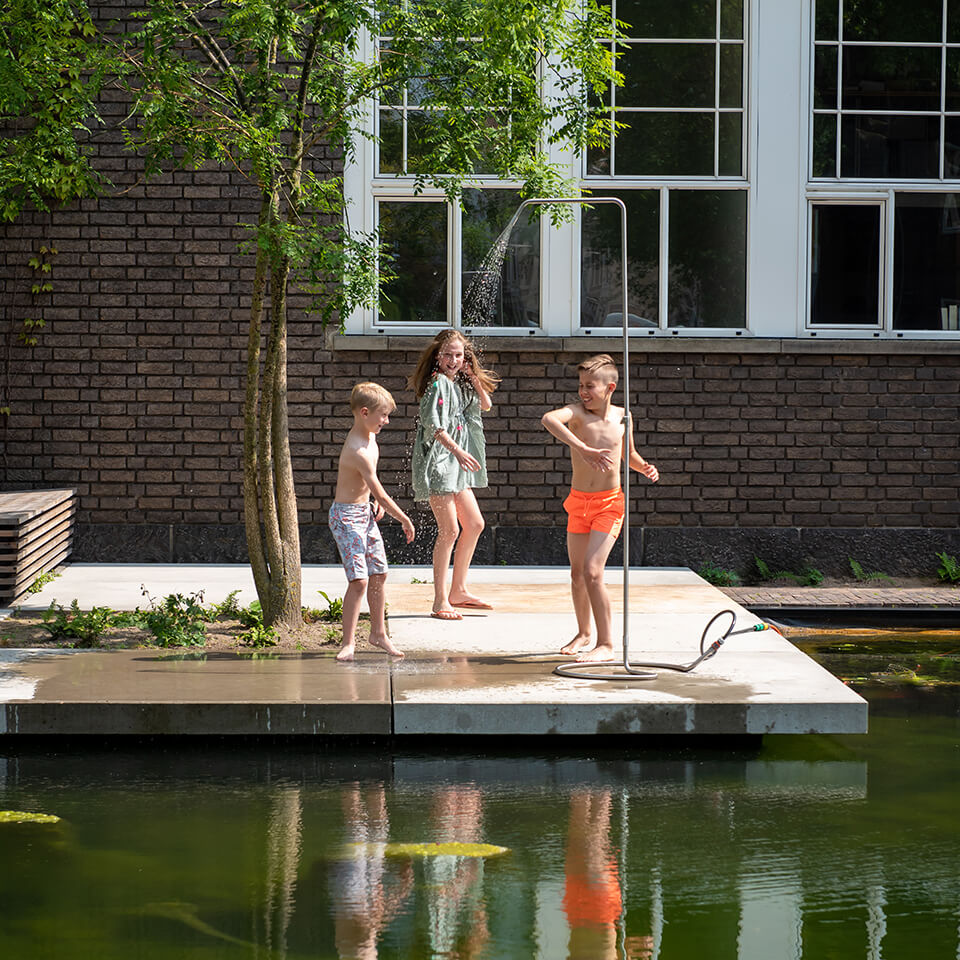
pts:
[599, 654]
[575, 645]
[384, 644]
[346, 652]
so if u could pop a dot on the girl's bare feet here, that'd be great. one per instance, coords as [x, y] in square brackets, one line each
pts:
[469, 601]
[346, 652]
[575, 645]
[599, 654]
[384, 644]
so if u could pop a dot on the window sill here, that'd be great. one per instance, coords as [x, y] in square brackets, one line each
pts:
[679, 344]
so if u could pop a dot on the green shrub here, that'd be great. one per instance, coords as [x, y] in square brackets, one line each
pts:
[949, 569]
[227, 609]
[334, 611]
[257, 633]
[808, 576]
[176, 620]
[84, 629]
[766, 573]
[45, 577]
[718, 576]
[860, 574]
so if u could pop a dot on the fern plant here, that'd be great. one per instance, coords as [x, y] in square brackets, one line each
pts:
[949, 569]
[860, 574]
[718, 576]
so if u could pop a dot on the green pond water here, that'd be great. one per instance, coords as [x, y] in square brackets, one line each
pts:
[813, 847]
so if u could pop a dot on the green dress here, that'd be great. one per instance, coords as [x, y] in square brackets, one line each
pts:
[455, 408]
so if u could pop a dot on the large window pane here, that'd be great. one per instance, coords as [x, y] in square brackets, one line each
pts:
[665, 144]
[414, 239]
[708, 258]
[953, 79]
[891, 21]
[827, 18]
[890, 147]
[601, 259]
[953, 21]
[391, 141]
[845, 264]
[926, 269]
[670, 19]
[891, 78]
[730, 142]
[825, 77]
[731, 75]
[825, 145]
[500, 281]
[667, 75]
[951, 147]
[731, 19]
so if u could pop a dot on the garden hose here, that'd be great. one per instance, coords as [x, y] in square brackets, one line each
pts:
[585, 671]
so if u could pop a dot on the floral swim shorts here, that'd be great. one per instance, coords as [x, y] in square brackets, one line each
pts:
[358, 539]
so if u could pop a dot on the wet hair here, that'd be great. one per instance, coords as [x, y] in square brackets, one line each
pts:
[602, 364]
[428, 364]
[372, 396]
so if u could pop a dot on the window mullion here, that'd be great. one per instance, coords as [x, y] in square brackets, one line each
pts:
[454, 263]
[663, 303]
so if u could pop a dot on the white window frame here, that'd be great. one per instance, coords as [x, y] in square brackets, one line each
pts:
[884, 254]
[847, 190]
[560, 266]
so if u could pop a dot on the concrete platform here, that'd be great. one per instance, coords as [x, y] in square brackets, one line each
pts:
[489, 674]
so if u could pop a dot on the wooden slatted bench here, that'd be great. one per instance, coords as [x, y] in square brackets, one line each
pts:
[36, 533]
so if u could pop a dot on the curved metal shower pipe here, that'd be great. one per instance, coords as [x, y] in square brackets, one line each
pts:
[570, 670]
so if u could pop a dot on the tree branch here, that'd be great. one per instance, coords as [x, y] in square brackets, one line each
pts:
[208, 44]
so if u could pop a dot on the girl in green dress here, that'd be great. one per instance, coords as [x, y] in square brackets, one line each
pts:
[449, 460]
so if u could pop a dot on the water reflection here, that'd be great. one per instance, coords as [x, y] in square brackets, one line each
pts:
[366, 892]
[806, 847]
[592, 898]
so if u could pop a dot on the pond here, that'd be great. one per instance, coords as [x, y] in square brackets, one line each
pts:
[814, 847]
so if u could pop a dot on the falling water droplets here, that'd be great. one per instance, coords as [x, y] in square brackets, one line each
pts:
[480, 300]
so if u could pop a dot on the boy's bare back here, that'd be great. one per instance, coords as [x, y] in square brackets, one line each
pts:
[601, 433]
[357, 449]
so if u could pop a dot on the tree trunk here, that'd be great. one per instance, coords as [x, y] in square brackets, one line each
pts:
[251, 404]
[270, 503]
[285, 575]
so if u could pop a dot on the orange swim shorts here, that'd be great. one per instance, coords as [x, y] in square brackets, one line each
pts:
[601, 510]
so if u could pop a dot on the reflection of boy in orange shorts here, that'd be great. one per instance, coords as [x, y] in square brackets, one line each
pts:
[593, 430]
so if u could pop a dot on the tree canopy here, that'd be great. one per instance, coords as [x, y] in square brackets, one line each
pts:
[280, 92]
[52, 65]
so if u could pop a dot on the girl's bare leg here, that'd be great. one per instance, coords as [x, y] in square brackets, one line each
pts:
[471, 526]
[378, 623]
[445, 512]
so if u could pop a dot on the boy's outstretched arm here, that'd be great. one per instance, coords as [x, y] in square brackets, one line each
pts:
[555, 422]
[366, 470]
[636, 461]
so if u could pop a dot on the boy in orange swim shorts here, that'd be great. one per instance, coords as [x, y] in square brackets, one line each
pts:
[593, 430]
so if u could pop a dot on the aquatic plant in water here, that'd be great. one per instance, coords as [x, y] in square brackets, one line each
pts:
[22, 816]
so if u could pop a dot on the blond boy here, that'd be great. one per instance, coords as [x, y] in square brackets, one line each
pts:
[593, 429]
[360, 501]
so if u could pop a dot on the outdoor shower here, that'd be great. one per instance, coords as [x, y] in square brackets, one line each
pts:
[612, 671]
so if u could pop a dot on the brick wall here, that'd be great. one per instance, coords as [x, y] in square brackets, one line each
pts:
[133, 396]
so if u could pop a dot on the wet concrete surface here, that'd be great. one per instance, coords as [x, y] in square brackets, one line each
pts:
[490, 673]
